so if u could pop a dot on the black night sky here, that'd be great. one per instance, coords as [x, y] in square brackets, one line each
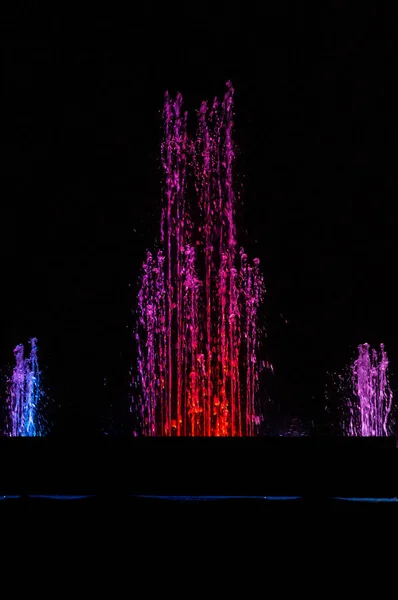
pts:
[80, 180]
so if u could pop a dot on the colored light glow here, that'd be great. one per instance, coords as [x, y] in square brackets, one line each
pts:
[212, 498]
[24, 393]
[371, 408]
[197, 331]
[368, 500]
[392, 500]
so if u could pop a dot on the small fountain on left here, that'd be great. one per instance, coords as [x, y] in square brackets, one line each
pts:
[24, 395]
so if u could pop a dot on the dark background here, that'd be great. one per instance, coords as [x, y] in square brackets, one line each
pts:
[80, 186]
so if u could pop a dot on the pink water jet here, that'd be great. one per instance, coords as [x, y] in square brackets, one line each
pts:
[198, 304]
[370, 412]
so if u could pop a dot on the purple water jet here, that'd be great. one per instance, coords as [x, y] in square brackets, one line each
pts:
[24, 394]
[198, 304]
[370, 410]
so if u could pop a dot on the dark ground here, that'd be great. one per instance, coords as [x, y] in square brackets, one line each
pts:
[238, 547]
[141, 532]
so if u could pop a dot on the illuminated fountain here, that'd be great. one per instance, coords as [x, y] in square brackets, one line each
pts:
[24, 394]
[198, 304]
[371, 407]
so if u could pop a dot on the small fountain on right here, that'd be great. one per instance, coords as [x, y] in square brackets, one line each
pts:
[371, 401]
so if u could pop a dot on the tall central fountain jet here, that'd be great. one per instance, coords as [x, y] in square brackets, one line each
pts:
[198, 304]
